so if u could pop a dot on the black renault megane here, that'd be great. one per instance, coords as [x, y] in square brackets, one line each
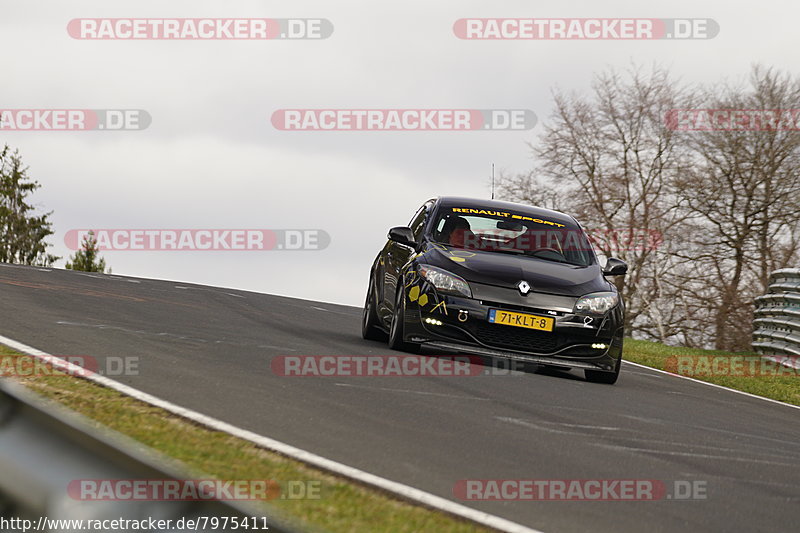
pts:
[497, 279]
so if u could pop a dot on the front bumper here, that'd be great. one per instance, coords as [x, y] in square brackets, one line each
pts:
[457, 323]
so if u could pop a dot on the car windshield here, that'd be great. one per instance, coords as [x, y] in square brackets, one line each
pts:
[490, 230]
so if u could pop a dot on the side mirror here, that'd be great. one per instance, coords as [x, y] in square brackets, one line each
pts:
[615, 267]
[403, 235]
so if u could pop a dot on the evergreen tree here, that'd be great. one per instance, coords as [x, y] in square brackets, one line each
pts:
[22, 232]
[88, 259]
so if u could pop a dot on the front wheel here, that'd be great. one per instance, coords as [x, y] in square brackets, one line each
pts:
[369, 322]
[601, 376]
[396, 341]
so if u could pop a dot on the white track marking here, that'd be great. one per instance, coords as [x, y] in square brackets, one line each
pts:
[538, 425]
[404, 491]
[711, 384]
[531, 425]
[694, 446]
[645, 374]
[133, 331]
[276, 347]
[409, 391]
[584, 426]
[208, 290]
[673, 453]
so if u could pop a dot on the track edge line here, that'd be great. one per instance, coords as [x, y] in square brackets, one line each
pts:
[712, 384]
[405, 492]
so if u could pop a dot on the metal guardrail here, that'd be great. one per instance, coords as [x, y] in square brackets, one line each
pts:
[44, 447]
[776, 326]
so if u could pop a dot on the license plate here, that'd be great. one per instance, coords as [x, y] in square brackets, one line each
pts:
[521, 320]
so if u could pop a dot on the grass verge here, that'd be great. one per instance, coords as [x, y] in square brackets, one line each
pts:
[342, 506]
[784, 388]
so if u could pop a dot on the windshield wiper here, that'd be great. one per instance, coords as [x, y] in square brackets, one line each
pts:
[533, 253]
[515, 251]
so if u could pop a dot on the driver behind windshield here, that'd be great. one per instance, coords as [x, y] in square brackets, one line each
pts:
[490, 234]
[459, 233]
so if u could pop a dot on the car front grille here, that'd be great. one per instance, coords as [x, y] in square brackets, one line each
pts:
[510, 337]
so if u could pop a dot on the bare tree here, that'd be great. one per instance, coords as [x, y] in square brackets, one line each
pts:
[610, 159]
[743, 192]
[724, 203]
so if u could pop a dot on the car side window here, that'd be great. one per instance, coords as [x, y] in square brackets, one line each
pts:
[418, 221]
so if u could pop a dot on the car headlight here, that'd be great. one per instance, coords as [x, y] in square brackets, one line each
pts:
[596, 303]
[445, 281]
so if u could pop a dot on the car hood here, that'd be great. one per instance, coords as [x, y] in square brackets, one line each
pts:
[507, 270]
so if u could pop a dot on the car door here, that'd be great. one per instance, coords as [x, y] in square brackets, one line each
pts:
[396, 255]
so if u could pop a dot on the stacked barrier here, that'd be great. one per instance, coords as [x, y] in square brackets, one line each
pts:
[776, 326]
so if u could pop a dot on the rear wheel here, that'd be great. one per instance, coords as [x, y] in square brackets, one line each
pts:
[396, 341]
[370, 321]
[600, 376]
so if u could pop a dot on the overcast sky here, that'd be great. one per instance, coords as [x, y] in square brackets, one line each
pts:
[212, 159]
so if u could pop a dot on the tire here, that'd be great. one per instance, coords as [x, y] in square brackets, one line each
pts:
[396, 341]
[601, 376]
[369, 321]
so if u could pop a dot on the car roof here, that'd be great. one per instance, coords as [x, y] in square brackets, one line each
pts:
[498, 205]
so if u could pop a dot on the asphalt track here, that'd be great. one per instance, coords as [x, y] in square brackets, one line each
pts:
[209, 349]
